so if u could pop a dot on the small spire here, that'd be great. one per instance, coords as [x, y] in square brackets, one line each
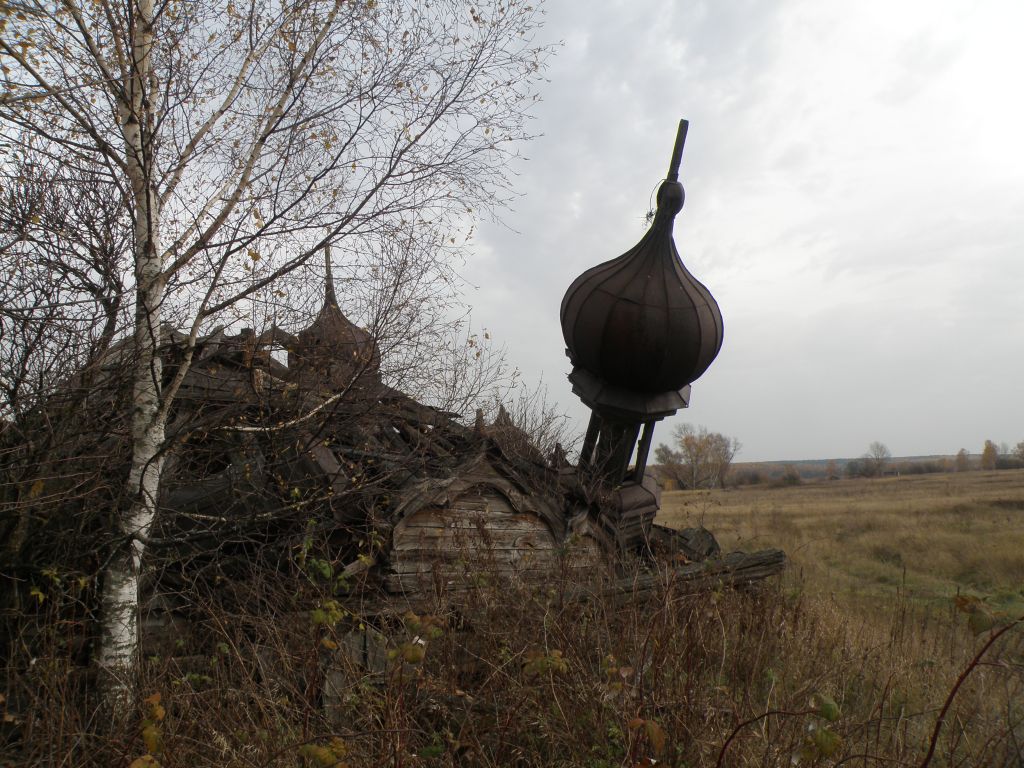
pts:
[329, 296]
[677, 150]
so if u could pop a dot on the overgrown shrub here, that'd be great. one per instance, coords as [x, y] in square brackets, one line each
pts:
[790, 477]
[748, 477]
[521, 675]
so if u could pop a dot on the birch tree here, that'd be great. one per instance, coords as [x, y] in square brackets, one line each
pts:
[243, 137]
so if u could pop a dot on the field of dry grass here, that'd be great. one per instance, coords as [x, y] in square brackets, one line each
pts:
[851, 659]
[520, 676]
[516, 675]
[924, 537]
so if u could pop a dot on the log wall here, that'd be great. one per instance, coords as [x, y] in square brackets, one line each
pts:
[480, 534]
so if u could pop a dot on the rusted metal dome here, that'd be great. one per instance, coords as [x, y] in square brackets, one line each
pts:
[641, 321]
[332, 345]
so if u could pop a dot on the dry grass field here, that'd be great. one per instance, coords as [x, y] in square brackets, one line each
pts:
[924, 538]
[854, 658]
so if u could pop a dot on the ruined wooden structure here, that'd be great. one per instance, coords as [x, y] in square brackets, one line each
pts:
[439, 501]
[414, 502]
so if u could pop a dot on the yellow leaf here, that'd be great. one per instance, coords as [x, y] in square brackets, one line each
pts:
[36, 489]
[321, 755]
[146, 761]
[151, 738]
[413, 653]
[329, 644]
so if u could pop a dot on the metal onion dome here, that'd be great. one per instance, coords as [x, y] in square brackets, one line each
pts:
[642, 322]
[638, 329]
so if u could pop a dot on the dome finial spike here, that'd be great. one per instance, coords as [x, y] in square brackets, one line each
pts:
[329, 297]
[677, 151]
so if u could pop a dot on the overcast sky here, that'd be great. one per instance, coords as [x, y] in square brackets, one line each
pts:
[854, 179]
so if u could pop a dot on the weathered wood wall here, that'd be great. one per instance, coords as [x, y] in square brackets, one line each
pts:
[479, 534]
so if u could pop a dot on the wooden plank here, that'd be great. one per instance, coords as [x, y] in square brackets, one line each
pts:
[469, 518]
[328, 463]
[479, 559]
[221, 381]
[458, 578]
[499, 540]
[470, 531]
[427, 583]
[737, 569]
[452, 561]
[442, 526]
[467, 550]
[734, 569]
[472, 508]
[473, 560]
[445, 538]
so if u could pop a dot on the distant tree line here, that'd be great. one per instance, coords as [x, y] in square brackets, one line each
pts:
[878, 461]
[702, 459]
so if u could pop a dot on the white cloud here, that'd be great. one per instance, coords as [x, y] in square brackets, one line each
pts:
[854, 185]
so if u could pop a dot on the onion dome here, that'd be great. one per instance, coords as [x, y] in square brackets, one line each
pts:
[332, 346]
[642, 322]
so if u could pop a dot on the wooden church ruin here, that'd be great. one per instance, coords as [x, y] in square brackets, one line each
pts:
[419, 500]
[313, 462]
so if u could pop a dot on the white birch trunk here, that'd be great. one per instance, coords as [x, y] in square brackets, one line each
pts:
[120, 599]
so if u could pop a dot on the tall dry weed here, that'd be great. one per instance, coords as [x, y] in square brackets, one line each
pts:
[518, 675]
